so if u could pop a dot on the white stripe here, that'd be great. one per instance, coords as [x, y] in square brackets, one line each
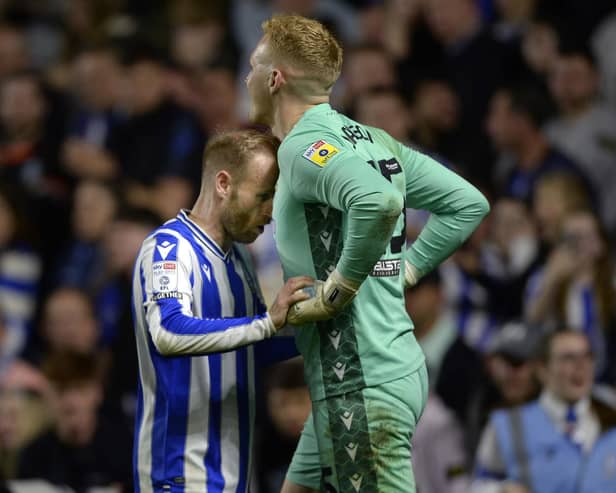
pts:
[198, 423]
[21, 266]
[199, 409]
[148, 384]
[15, 304]
[229, 433]
[227, 303]
[251, 409]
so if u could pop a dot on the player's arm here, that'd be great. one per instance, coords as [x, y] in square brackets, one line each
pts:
[457, 208]
[168, 299]
[372, 205]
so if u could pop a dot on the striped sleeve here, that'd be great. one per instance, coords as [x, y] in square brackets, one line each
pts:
[167, 278]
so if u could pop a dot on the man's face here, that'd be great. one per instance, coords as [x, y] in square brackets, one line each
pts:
[573, 82]
[76, 409]
[21, 105]
[386, 111]
[514, 378]
[569, 371]
[249, 206]
[257, 82]
[69, 323]
[501, 123]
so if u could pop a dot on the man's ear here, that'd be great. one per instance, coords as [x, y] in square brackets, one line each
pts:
[223, 184]
[276, 80]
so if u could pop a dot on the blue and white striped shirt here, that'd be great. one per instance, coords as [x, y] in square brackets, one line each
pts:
[197, 309]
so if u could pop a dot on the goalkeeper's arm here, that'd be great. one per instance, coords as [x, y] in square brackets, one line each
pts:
[373, 207]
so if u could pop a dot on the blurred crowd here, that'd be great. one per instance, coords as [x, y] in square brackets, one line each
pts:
[105, 107]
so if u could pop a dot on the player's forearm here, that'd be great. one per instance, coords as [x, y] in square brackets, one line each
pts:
[450, 224]
[174, 333]
[371, 221]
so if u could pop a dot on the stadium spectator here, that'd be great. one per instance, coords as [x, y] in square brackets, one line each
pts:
[556, 196]
[366, 67]
[69, 323]
[287, 408]
[434, 328]
[602, 41]
[20, 264]
[440, 460]
[30, 141]
[468, 46]
[24, 413]
[511, 379]
[200, 37]
[82, 450]
[82, 263]
[578, 431]
[386, 109]
[575, 288]
[219, 94]
[159, 146]
[95, 114]
[113, 308]
[585, 129]
[514, 124]
[14, 55]
[435, 113]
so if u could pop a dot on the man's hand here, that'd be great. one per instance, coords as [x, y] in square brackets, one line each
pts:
[289, 294]
[411, 274]
[330, 298]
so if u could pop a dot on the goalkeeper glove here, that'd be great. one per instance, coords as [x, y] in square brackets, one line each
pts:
[411, 274]
[330, 298]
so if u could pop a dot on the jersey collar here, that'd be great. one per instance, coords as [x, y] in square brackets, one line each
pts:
[183, 216]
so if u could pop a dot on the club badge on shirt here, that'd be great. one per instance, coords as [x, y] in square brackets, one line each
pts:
[320, 153]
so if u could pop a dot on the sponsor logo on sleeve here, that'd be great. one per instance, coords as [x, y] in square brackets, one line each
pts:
[164, 277]
[320, 153]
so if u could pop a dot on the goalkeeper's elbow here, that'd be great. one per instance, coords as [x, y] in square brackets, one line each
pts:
[390, 204]
[482, 205]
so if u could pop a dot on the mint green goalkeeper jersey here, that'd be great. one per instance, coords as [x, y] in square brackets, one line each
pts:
[339, 183]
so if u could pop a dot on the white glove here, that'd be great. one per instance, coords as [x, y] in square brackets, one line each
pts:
[330, 298]
[411, 274]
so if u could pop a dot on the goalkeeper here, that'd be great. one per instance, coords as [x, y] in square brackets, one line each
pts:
[340, 217]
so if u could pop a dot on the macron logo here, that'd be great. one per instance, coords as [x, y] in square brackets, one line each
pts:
[164, 248]
[206, 271]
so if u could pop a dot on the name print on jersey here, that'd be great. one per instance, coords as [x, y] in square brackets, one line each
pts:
[353, 133]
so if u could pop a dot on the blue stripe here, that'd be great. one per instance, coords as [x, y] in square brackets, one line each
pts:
[483, 473]
[24, 286]
[589, 316]
[211, 307]
[215, 480]
[241, 364]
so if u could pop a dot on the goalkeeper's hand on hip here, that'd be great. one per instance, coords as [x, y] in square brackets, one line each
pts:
[329, 299]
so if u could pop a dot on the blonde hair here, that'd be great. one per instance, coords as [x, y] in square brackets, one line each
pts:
[305, 44]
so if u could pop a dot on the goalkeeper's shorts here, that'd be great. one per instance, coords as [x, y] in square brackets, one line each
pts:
[361, 441]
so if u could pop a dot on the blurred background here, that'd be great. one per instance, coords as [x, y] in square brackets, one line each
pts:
[105, 107]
